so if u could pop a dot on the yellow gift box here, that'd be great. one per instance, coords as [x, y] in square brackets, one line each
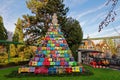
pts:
[43, 48]
[50, 59]
[25, 69]
[73, 69]
[34, 63]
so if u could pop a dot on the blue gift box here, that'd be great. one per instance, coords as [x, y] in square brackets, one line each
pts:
[52, 70]
[52, 48]
[40, 63]
[66, 55]
[57, 63]
[44, 51]
[41, 59]
[80, 69]
[48, 45]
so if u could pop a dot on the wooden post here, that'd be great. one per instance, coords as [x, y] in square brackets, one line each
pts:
[79, 57]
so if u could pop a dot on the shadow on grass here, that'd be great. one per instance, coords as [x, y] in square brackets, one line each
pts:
[15, 74]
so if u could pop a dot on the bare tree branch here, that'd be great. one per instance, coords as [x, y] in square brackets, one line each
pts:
[110, 16]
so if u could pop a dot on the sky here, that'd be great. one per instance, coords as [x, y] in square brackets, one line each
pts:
[89, 13]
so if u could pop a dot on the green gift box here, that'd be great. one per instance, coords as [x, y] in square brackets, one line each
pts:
[48, 51]
[52, 45]
[62, 51]
[52, 63]
[65, 51]
[71, 63]
[74, 63]
[61, 55]
[67, 59]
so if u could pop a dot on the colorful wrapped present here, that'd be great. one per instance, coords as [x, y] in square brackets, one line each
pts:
[46, 63]
[52, 48]
[41, 70]
[62, 63]
[48, 45]
[54, 55]
[68, 70]
[47, 38]
[53, 41]
[73, 69]
[52, 52]
[31, 69]
[54, 59]
[44, 51]
[66, 55]
[66, 51]
[52, 63]
[52, 45]
[62, 59]
[48, 48]
[66, 64]
[50, 59]
[67, 59]
[81, 70]
[36, 58]
[71, 59]
[77, 69]
[57, 44]
[60, 70]
[48, 51]
[34, 63]
[42, 59]
[42, 55]
[46, 60]
[57, 63]
[71, 63]
[40, 63]
[23, 69]
[39, 48]
[74, 63]
[44, 48]
[52, 70]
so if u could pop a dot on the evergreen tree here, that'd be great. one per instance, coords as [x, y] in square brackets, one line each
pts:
[73, 34]
[3, 31]
[18, 34]
[37, 25]
[20, 50]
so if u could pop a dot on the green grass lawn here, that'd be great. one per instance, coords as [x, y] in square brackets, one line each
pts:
[98, 74]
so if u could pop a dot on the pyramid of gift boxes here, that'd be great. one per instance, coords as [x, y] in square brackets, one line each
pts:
[53, 55]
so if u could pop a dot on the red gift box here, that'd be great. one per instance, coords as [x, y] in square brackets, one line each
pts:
[41, 70]
[52, 52]
[46, 63]
[57, 44]
[68, 70]
[62, 63]
[46, 59]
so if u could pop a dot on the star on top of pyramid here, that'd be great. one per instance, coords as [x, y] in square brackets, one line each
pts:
[54, 19]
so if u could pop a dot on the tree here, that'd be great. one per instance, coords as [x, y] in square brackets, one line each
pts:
[37, 26]
[3, 31]
[112, 46]
[73, 34]
[39, 23]
[20, 50]
[18, 34]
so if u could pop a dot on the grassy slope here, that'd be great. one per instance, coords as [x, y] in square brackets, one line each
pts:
[99, 74]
